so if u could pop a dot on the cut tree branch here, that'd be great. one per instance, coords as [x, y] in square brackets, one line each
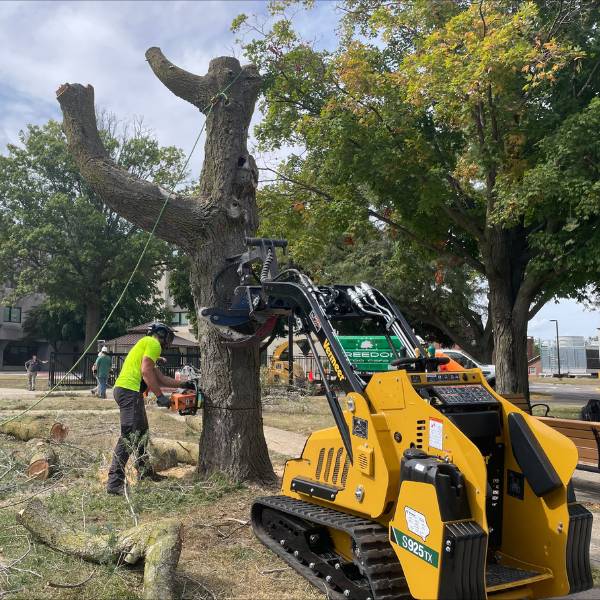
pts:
[157, 542]
[138, 201]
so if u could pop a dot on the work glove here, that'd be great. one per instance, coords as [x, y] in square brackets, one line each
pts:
[188, 385]
[163, 401]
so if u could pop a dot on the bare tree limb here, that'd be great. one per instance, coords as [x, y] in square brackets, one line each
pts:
[195, 89]
[138, 201]
[535, 309]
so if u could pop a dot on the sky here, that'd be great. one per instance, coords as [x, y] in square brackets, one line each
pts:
[46, 44]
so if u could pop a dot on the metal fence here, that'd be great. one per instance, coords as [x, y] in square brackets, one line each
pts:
[309, 366]
[82, 375]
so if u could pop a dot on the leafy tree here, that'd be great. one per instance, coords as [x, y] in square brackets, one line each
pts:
[65, 242]
[470, 128]
[445, 300]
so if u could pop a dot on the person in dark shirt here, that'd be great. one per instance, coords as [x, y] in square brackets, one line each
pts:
[33, 366]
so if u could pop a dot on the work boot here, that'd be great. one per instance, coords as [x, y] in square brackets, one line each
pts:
[115, 491]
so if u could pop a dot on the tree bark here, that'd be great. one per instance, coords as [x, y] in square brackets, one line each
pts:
[158, 543]
[92, 321]
[209, 227]
[510, 299]
[28, 428]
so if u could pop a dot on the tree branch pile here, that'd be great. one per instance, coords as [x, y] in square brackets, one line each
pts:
[158, 544]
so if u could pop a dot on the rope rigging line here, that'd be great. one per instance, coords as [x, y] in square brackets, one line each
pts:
[213, 102]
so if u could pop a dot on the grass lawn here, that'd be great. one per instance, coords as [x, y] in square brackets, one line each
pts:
[301, 414]
[560, 411]
[16, 381]
[567, 380]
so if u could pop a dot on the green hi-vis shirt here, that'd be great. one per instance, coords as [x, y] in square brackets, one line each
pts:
[130, 376]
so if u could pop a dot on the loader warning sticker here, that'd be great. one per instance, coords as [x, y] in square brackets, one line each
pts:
[436, 433]
[429, 555]
[416, 522]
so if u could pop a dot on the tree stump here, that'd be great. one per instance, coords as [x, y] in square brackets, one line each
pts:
[157, 543]
[27, 428]
[43, 463]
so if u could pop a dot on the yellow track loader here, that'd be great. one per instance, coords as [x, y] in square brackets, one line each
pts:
[430, 485]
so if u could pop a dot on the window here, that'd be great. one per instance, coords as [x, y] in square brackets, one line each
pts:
[462, 360]
[180, 318]
[532, 370]
[12, 314]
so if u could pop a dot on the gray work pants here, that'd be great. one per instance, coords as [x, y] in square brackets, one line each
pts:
[31, 376]
[134, 435]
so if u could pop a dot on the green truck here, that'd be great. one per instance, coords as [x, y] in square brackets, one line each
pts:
[370, 353]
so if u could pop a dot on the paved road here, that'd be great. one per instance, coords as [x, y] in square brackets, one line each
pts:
[566, 393]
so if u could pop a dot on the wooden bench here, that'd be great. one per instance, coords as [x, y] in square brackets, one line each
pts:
[584, 434]
[520, 401]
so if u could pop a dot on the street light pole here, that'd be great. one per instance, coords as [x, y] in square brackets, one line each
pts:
[557, 346]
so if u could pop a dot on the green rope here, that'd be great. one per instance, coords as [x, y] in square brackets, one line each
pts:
[180, 175]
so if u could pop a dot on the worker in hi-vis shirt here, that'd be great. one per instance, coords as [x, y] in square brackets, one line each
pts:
[138, 368]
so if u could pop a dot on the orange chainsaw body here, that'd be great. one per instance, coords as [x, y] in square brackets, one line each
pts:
[184, 402]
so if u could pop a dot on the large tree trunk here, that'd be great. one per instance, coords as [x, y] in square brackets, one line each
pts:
[510, 340]
[209, 227]
[92, 321]
[511, 293]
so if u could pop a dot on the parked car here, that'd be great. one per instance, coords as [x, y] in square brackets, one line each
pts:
[468, 362]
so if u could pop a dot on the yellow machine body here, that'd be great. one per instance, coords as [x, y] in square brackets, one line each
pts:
[392, 418]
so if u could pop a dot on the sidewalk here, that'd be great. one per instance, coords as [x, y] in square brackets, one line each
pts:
[23, 393]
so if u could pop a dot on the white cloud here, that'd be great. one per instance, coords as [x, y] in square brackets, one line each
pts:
[573, 319]
[45, 44]
[103, 43]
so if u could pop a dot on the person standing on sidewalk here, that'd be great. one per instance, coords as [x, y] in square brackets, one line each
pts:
[139, 363]
[33, 367]
[101, 369]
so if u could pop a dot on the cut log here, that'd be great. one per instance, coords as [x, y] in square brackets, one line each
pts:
[43, 463]
[187, 452]
[27, 428]
[194, 423]
[158, 543]
[162, 458]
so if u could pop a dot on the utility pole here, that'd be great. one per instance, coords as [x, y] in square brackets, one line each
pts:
[557, 346]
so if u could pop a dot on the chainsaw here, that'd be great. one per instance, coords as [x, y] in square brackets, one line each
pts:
[187, 399]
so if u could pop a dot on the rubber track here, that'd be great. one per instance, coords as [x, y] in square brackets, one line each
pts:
[375, 555]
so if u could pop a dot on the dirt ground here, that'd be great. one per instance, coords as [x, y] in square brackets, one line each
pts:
[220, 559]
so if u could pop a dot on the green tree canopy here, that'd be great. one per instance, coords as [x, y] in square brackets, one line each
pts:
[63, 241]
[459, 125]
